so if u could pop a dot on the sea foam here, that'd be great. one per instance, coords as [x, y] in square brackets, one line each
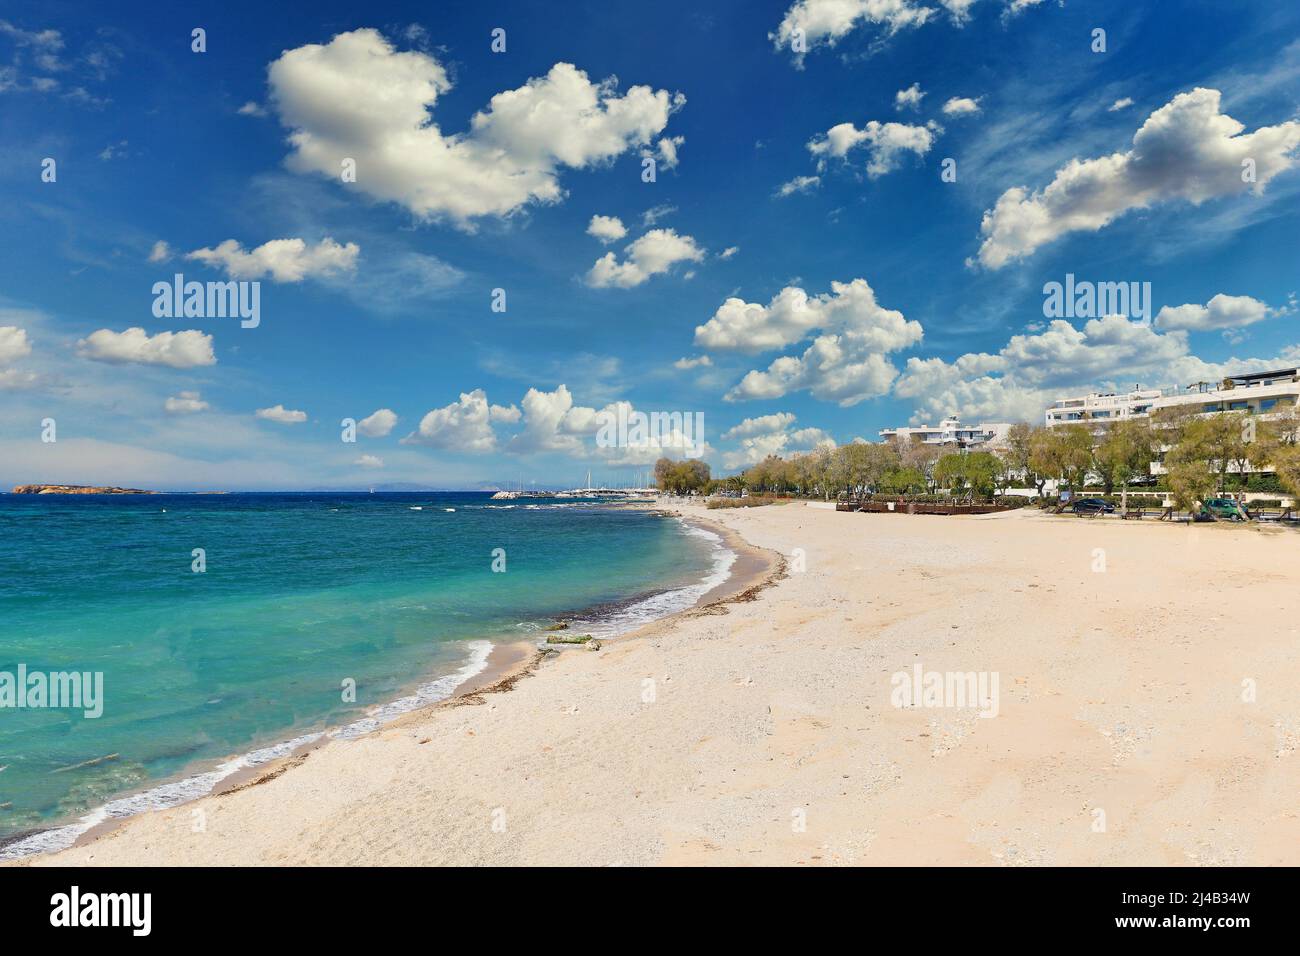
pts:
[189, 788]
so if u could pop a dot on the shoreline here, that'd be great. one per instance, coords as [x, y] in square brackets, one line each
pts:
[762, 729]
[507, 662]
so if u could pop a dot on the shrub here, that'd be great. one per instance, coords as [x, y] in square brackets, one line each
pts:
[753, 501]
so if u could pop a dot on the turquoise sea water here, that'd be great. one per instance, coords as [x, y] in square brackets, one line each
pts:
[301, 592]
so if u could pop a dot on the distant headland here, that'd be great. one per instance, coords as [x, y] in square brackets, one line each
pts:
[77, 490]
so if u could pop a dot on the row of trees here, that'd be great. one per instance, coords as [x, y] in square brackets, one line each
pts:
[850, 469]
[1198, 452]
[683, 477]
[866, 467]
[1203, 451]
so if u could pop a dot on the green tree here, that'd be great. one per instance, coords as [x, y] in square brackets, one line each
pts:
[1190, 481]
[662, 467]
[804, 475]
[1064, 453]
[760, 475]
[1217, 439]
[1173, 419]
[917, 454]
[950, 473]
[867, 464]
[682, 477]
[831, 471]
[1189, 463]
[1286, 462]
[1015, 456]
[1075, 454]
[1125, 453]
[903, 481]
[974, 474]
[1044, 456]
[981, 471]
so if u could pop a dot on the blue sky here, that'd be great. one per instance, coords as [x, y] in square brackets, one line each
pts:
[799, 235]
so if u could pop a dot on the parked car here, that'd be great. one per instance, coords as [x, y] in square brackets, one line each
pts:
[1092, 506]
[1224, 508]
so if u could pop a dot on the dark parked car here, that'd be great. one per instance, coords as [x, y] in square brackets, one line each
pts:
[1092, 506]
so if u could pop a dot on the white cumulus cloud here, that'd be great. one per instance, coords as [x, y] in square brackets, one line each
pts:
[185, 403]
[800, 184]
[666, 151]
[284, 260]
[1186, 151]
[823, 23]
[909, 98]
[653, 254]
[1033, 370]
[13, 344]
[282, 415]
[134, 346]
[606, 228]
[761, 425]
[826, 22]
[360, 98]
[464, 425]
[885, 143]
[770, 435]
[961, 106]
[553, 423]
[846, 363]
[959, 10]
[378, 424]
[792, 315]
[1221, 312]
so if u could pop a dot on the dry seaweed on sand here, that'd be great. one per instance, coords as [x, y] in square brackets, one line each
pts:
[505, 684]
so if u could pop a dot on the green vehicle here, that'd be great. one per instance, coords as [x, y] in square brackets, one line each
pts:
[1225, 508]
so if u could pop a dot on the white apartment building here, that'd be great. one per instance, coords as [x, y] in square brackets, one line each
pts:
[952, 432]
[1103, 406]
[1257, 392]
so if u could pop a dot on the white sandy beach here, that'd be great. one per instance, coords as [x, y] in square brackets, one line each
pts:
[762, 732]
